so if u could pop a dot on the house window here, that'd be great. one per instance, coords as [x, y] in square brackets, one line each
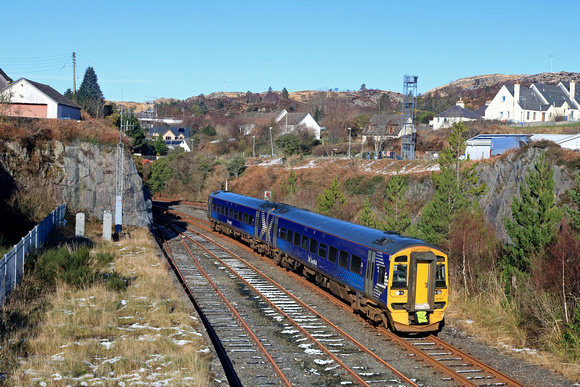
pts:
[503, 99]
[168, 138]
[528, 116]
[501, 114]
[534, 116]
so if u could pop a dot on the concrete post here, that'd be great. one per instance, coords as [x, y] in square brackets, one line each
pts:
[80, 225]
[107, 225]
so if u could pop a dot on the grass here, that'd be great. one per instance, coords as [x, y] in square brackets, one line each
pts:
[495, 321]
[95, 334]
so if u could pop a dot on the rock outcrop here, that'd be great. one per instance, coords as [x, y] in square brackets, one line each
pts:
[84, 175]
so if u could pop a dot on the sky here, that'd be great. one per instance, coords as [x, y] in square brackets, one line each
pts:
[145, 50]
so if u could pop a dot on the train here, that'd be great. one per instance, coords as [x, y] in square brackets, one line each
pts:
[397, 281]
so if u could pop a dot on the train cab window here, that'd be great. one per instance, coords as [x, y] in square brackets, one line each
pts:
[313, 246]
[355, 264]
[440, 273]
[304, 242]
[399, 274]
[322, 250]
[245, 217]
[289, 236]
[343, 259]
[332, 254]
[381, 276]
[282, 233]
[297, 239]
[213, 207]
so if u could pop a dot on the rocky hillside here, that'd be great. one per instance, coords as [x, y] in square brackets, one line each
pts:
[81, 174]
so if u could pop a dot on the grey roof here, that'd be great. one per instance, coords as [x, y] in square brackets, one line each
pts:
[458, 111]
[293, 118]
[481, 111]
[176, 131]
[53, 94]
[529, 100]
[383, 125]
[553, 94]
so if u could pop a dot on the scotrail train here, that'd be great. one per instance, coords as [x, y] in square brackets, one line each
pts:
[394, 280]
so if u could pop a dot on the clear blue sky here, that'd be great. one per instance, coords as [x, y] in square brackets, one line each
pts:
[143, 50]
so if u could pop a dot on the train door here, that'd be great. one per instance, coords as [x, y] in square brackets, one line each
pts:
[369, 276]
[422, 281]
[266, 226]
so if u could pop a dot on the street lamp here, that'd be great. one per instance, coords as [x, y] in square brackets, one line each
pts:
[271, 142]
[254, 146]
[349, 143]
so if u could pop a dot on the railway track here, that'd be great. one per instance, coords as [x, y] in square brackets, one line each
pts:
[305, 325]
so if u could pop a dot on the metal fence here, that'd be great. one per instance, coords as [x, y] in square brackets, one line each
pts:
[12, 264]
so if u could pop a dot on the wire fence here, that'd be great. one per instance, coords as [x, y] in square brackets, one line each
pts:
[12, 264]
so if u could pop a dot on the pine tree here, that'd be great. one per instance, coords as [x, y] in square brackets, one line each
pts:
[396, 213]
[285, 94]
[331, 199]
[367, 216]
[160, 146]
[289, 185]
[89, 95]
[457, 187]
[535, 216]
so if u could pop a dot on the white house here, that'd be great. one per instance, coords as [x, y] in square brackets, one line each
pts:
[172, 136]
[537, 103]
[457, 113]
[35, 100]
[289, 122]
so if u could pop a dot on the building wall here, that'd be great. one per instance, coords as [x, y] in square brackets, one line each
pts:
[309, 122]
[28, 110]
[501, 106]
[446, 122]
[69, 112]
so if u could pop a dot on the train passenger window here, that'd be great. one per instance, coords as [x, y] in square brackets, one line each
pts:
[332, 254]
[245, 218]
[297, 239]
[282, 233]
[289, 236]
[251, 222]
[231, 213]
[235, 215]
[304, 242]
[213, 206]
[322, 250]
[343, 259]
[381, 276]
[313, 245]
[440, 275]
[355, 264]
[399, 276]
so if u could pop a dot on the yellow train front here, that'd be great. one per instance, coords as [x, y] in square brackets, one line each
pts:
[394, 280]
[417, 289]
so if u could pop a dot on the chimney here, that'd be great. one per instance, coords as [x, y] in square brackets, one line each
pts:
[460, 103]
[517, 91]
[572, 90]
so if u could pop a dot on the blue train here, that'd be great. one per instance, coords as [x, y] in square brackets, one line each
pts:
[398, 281]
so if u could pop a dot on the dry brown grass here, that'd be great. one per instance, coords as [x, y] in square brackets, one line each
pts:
[34, 132]
[493, 320]
[98, 336]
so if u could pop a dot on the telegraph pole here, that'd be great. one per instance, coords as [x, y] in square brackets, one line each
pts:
[74, 73]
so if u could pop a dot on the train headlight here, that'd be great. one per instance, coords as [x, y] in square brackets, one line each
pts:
[400, 293]
[437, 291]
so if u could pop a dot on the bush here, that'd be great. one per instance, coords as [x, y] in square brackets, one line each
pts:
[73, 266]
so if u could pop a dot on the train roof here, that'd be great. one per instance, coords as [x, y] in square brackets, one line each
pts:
[388, 242]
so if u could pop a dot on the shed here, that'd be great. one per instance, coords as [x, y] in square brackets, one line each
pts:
[36, 100]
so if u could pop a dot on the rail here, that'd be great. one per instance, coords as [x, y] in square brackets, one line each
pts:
[12, 264]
